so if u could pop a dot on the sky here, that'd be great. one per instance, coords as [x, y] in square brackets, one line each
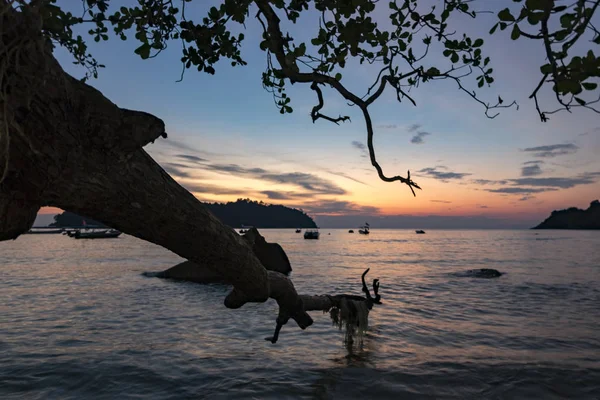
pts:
[227, 140]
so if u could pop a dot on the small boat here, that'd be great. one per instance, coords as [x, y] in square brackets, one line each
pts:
[364, 230]
[311, 234]
[298, 230]
[351, 231]
[420, 231]
[102, 234]
[44, 231]
[242, 231]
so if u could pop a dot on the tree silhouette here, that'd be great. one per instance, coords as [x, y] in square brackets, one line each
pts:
[63, 144]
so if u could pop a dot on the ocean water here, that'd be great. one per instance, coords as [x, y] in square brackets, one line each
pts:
[79, 320]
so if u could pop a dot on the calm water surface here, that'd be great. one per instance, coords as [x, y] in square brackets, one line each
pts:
[78, 320]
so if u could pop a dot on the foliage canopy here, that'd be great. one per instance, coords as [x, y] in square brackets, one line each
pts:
[350, 29]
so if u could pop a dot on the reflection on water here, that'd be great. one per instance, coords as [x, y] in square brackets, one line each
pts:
[77, 319]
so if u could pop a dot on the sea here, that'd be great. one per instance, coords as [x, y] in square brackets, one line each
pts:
[79, 320]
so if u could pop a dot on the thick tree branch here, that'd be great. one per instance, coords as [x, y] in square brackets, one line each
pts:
[290, 70]
[279, 283]
[315, 114]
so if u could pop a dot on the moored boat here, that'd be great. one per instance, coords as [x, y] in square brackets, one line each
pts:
[364, 230]
[311, 234]
[420, 231]
[298, 230]
[101, 234]
[44, 231]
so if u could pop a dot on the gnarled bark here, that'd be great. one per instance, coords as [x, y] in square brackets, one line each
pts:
[70, 147]
[63, 144]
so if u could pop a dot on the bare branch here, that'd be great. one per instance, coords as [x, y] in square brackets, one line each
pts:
[315, 114]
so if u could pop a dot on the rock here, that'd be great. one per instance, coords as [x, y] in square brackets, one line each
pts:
[189, 271]
[271, 255]
[484, 273]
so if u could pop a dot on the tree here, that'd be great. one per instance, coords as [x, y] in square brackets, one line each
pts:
[63, 144]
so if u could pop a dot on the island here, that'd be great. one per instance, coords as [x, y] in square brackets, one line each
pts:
[242, 212]
[573, 218]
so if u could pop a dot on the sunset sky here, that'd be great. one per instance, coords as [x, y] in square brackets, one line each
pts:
[227, 139]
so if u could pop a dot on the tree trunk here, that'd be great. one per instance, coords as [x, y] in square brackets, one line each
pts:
[68, 146]
[63, 144]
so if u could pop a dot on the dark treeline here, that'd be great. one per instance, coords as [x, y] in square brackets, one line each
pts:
[573, 218]
[235, 214]
[70, 220]
[261, 215]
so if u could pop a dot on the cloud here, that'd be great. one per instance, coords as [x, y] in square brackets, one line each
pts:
[537, 185]
[179, 145]
[482, 206]
[390, 126]
[343, 175]
[274, 195]
[192, 158]
[359, 145]
[441, 201]
[414, 127]
[531, 168]
[235, 169]
[525, 198]
[338, 207]
[559, 182]
[309, 182]
[178, 165]
[519, 190]
[442, 175]
[485, 182]
[205, 188]
[418, 138]
[175, 171]
[553, 150]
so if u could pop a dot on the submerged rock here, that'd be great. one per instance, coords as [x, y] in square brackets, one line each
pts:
[271, 255]
[484, 273]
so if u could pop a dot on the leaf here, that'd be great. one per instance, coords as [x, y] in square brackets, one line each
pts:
[536, 4]
[493, 29]
[505, 15]
[516, 32]
[580, 101]
[338, 77]
[433, 71]
[478, 43]
[546, 69]
[143, 51]
[454, 58]
[589, 85]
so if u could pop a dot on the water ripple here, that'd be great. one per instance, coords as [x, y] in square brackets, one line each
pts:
[76, 323]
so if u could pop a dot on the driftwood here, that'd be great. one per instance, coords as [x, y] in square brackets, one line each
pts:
[63, 144]
[345, 310]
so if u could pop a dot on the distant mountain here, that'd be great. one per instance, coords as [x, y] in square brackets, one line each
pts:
[574, 218]
[258, 214]
[235, 214]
